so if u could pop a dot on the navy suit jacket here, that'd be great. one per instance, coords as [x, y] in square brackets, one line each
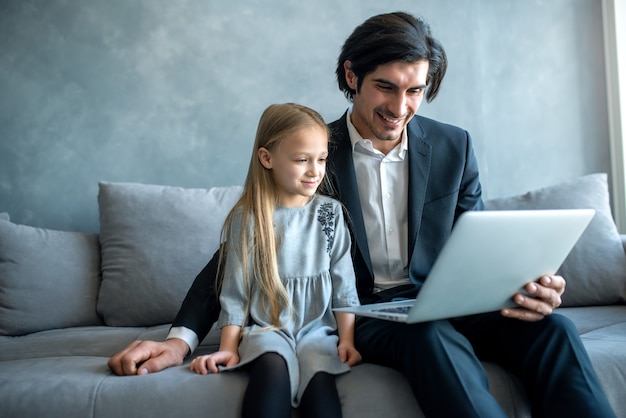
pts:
[443, 183]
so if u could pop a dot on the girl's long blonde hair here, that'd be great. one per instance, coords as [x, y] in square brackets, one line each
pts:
[258, 242]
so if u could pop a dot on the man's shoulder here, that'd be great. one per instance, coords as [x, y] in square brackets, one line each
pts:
[425, 127]
[339, 127]
[341, 120]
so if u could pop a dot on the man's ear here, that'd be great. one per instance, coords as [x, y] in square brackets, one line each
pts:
[265, 157]
[351, 78]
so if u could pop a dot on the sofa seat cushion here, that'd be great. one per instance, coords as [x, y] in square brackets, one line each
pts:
[607, 350]
[52, 386]
[77, 341]
[603, 332]
[595, 318]
[82, 386]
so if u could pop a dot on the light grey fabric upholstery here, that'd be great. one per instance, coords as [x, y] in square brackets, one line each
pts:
[48, 279]
[54, 364]
[603, 331]
[596, 268]
[70, 366]
[71, 363]
[155, 239]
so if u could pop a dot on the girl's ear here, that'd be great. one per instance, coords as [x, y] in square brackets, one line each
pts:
[265, 158]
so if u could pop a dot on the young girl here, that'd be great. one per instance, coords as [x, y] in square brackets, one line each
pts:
[287, 264]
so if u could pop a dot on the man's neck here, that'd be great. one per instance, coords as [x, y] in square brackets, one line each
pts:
[384, 146]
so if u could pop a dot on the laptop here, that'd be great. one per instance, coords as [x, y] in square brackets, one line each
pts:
[489, 256]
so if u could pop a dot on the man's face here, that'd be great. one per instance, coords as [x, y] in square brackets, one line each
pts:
[388, 99]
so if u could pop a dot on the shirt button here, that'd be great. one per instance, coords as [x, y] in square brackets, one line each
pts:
[387, 196]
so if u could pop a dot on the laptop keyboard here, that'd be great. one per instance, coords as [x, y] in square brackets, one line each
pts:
[396, 310]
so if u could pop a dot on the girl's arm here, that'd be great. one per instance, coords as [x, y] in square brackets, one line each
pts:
[228, 354]
[346, 350]
[229, 340]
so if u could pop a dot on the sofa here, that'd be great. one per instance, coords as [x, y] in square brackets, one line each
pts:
[69, 300]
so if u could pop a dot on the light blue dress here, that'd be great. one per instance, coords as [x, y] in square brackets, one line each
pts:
[315, 266]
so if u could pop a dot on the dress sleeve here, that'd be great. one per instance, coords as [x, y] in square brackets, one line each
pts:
[341, 267]
[234, 294]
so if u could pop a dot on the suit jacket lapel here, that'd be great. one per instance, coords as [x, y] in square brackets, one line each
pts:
[419, 168]
[346, 184]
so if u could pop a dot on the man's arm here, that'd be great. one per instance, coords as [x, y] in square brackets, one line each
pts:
[199, 310]
[201, 307]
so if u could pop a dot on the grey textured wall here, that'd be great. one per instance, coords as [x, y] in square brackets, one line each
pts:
[169, 92]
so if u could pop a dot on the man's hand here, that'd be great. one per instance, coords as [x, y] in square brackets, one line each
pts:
[143, 357]
[545, 296]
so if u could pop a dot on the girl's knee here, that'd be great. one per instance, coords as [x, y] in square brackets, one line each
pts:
[269, 364]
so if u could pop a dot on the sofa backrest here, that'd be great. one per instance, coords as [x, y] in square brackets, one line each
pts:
[595, 269]
[155, 239]
[48, 279]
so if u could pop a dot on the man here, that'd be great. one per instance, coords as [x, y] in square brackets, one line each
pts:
[409, 178]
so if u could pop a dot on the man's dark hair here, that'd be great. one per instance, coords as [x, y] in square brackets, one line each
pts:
[390, 37]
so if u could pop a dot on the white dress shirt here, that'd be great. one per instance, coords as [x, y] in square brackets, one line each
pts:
[383, 188]
[185, 334]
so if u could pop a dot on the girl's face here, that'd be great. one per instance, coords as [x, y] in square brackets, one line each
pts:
[298, 165]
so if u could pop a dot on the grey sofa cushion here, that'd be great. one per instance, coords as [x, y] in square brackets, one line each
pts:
[155, 240]
[595, 269]
[48, 279]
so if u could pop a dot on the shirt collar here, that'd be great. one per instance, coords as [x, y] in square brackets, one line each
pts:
[355, 137]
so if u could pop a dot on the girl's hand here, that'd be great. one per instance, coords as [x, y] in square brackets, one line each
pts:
[208, 364]
[349, 354]
[346, 350]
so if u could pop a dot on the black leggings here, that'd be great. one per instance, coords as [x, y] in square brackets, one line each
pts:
[269, 392]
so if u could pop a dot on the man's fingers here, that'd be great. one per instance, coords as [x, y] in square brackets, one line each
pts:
[143, 357]
[118, 362]
[554, 282]
[522, 314]
[158, 361]
[135, 356]
[545, 297]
